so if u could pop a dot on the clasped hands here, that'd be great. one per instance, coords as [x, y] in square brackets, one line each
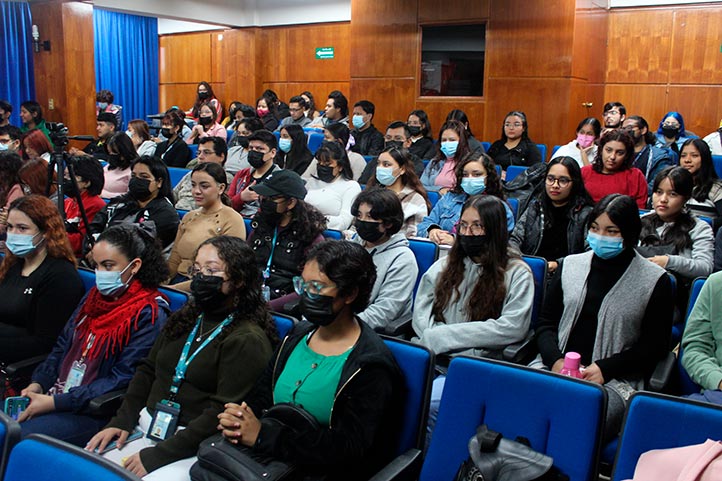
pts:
[238, 423]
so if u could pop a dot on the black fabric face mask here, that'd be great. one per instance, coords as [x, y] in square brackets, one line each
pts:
[166, 133]
[325, 173]
[318, 310]
[393, 143]
[203, 95]
[472, 245]
[139, 188]
[69, 188]
[269, 213]
[207, 292]
[414, 130]
[670, 131]
[256, 159]
[205, 121]
[368, 231]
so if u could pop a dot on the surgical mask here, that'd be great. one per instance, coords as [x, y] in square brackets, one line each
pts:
[325, 173]
[109, 283]
[448, 148]
[129, 133]
[385, 175]
[472, 245]
[204, 121]
[368, 231]
[20, 244]
[256, 159]
[207, 291]
[3, 147]
[473, 185]
[604, 246]
[102, 105]
[358, 121]
[284, 145]
[414, 130]
[139, 189]
[318, 309]
[585, 140]
[670, 131]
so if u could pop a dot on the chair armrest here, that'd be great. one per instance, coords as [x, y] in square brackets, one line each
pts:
[24, 367]
[107, 404]
[662, 373]
[398, 328]
[521, 352]
[405, 466]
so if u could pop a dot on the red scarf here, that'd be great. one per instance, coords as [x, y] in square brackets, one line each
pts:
[112, 321]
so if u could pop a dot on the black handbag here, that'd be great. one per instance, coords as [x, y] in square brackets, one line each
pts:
[220, 460]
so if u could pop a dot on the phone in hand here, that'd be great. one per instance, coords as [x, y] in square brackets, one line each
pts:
[136, 434]
[15, 405]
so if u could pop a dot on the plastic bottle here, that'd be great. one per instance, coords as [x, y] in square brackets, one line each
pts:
[571, 365]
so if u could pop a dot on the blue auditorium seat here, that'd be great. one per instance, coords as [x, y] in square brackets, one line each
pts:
[176, 174]
[538, 266]
[314, 141]
[284, 323]
[194, 150]
[433, 197]
[9, 436]
[426, 253]
[687, 385]
[717, 161]
[543, 149]
[513, 170]
[333, 234]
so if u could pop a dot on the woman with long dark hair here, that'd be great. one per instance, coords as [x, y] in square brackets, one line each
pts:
[583, 148]
[210, 352]
[207, 125]
[706, 199]
[139, 134]
[293, 153]
[422, 140]
[205, 96]
[514, 147]
[121, 154]
[439, 174]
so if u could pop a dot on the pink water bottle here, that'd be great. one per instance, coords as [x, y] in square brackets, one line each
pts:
[571, 365]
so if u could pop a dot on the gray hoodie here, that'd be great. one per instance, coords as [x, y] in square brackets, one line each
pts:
[396, 272]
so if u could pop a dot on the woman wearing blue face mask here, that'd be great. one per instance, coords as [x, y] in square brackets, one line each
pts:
[293, 153]
[474, 176]
[610, 305]
[439, 174]
[38, 279]
[99, 349]
[395, 171]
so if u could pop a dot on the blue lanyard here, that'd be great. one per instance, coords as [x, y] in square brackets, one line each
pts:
[184, 361]
[267, 271]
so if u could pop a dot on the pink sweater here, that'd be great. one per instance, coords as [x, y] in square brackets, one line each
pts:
[116, 182]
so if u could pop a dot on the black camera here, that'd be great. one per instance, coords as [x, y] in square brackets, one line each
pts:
[58, 133]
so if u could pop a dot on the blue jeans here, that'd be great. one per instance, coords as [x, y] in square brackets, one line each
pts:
[73, 428]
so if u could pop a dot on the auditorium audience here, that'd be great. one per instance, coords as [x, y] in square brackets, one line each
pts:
[293, 153]
[395, 172]
[104, 103]
[340, 133]
[104, 340]
[332, 190]
[612, 171]
[707, 193]
[310, 109]
[210, 149]
[350, 384]
[453, 147]
[297, 115]
[229, 334]
[31, 113]
[378, 218]
[267, 112]
[583, 149]
[238, 145]
[422, 142]
[234, 115]
[648, 158]
[514, 147]
[611, 306]
[367, 139]
[205, 96]
[174, 151]
[38, 279]
[207, 126]
[140, 136]
[89, 180]
[398, 136]
[613, 114]
[34, 178]
[10, 137]
[121, 154]
[554, 223]
[284, 229]
[36, 145]
[336, 111]
[262, 149]
[714, 140]
[671, 133]
[105, 127]
[459, 115]
[213, 217]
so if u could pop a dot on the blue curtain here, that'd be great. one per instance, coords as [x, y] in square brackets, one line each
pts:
[17, 78]
[126, 61]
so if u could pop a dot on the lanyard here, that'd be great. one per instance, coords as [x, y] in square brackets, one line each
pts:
[267, 271]
[184, 361]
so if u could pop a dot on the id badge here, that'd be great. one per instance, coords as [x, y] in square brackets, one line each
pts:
[165, 420]
[75, 376]
[266, 292]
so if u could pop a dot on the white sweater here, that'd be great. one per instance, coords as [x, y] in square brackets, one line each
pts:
[334, 200]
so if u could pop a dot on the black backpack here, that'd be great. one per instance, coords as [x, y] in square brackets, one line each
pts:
[526, 184]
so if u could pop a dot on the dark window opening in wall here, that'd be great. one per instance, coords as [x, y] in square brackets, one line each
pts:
[452, 60]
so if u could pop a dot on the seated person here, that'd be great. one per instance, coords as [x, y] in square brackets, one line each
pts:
[213, 217]
[267, 111]
[149, 198]
[104, 103]
[367, 139]
[89, 179]
[671, 133]
[207, 126]
[185, 131]
[6, 110]
[224, 327]
[707, 193]
[210, 149]
[293, 153]
[333, 189]
[31, 113]
[10, 137]
[673, 238]
[514, 147]
[422, 141]
[38, 279]
[438, 175]
[173, 151]
[378, 217]
[339, 133]
[204, 95]
[310, 110]
[554, 223]
[335, 112]
[11, 186]
[460, 116]
[34, 179]
[356, 377]
[611, 306]
[397, 135]
[105, 127]
[121, 154]
[648, 158]
[714, 140]
[139, 134]
[36, 145]
[395, 171]
[286, 221]
[612, 171]
[582, 149]
[613, 114]
[297, 116]
[474, 176]
[262, 149]
[101, 345]
[238, 145]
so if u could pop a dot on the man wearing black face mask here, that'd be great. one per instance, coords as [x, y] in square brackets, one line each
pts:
[238, 145]
[648, 158]
[397, 135]
[262, 148]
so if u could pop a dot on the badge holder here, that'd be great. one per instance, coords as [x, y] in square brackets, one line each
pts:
[165, 420]
[77, 369]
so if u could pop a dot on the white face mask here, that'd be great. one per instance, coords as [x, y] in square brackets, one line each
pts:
[129, 133]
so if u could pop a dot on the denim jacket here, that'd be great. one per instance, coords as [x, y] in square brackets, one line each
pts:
[447, 212]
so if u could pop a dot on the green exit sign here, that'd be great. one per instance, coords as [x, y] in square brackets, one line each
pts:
[324, 53]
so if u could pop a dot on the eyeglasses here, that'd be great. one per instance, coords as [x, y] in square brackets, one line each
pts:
[515, 124]
[205, 152]
[5, 141]
[205, 270]
[610, 112]
[312, 288]
[291, 109]
[562, 181]
[474, 229]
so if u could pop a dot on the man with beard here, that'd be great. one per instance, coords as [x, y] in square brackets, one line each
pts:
[649, 159]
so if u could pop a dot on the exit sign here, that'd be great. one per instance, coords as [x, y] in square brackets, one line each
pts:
[324, 53]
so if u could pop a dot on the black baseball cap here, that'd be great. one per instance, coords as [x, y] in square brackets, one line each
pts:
[281, 182]
[108, 117]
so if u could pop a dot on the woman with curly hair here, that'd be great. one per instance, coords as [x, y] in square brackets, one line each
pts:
[38, 279]
[210, 352]
[106, 337]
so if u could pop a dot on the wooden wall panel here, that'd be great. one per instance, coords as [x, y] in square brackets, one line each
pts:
[700, 105]
[589, 51]
[239, 69]
[185, 58]
[696, 56]
[639, 44]
[582, 92]
[432, 11]
[384, 39]
[50, 66]
[438, 109]
[393, 98]
[648, 101]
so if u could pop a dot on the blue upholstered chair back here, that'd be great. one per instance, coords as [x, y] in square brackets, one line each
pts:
[560, 416]
[658, 421]
[538, 267]
[426, 253]
[9, 437]
[176, 174]
[314, 141]
[687, 385]
[284, 323]
[513, 170]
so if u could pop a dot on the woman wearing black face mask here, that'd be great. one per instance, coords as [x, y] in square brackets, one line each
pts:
[210, 352]
[205, 96]
[149, 198]
[284, 229]
[121, 154]
[89, 179]
[349, 381]
[207, 125]
[422, 141]
[174, 151]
